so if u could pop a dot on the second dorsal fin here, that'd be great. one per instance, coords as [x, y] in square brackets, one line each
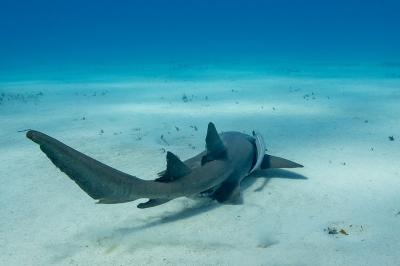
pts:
[175, 169]
[215, 147]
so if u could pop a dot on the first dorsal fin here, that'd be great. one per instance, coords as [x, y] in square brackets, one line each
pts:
[215, 147]
[175, 169]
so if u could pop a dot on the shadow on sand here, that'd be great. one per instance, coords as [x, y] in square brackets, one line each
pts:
[205, 204]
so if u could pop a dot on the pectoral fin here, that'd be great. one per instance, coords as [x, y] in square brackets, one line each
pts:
[270, 161]
[227, 192]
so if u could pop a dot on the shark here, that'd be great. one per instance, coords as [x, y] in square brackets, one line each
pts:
[215, 173]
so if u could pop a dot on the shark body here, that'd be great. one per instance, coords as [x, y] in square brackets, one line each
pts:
[215, 172]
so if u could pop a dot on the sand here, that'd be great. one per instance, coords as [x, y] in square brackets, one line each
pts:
[342, 208]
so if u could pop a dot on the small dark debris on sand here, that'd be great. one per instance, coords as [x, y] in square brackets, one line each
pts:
[331, 230]
[24, 97]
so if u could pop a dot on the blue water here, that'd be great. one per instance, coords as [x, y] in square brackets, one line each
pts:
[72, 33]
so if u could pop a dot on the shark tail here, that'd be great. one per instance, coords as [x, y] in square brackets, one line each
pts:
[99, 181]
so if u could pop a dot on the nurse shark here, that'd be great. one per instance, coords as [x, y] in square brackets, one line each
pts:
[216, 172]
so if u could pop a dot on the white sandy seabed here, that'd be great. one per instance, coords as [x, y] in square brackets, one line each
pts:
[342, 208]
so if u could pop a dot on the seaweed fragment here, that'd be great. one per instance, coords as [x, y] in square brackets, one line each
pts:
[162, 137]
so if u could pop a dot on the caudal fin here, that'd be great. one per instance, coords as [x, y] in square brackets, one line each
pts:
[99, 181]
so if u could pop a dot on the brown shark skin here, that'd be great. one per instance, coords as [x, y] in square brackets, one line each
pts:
[111, 186]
